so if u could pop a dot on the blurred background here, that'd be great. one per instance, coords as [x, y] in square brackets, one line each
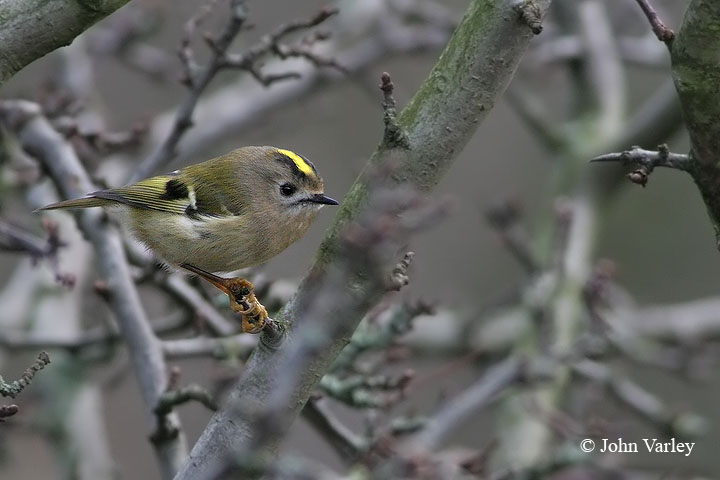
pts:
[659, 239]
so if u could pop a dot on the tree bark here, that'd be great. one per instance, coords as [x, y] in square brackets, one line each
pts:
[30, 29]
[696, 71]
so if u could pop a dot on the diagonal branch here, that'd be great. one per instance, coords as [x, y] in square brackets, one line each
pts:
[439, 121]
[346, 443]
[500, 377]
[663, 33]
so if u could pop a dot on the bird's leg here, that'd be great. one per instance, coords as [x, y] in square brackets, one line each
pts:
[242, 298]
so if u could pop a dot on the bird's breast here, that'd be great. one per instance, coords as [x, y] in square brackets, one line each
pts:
[218, 244]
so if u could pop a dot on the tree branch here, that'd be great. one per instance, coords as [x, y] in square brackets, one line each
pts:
[439, 121]
[498, 378]
[696, 73]
[663, 33]
[26, 34]
[197, 80]
[39, 139]
[225, 347]
[14, 388]
[646, 161]
[344, 441]
[641, 401]
[231, 108]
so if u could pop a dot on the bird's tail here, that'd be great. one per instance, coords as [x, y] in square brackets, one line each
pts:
[85, 202]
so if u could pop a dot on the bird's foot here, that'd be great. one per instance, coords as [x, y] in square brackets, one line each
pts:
[242, 298]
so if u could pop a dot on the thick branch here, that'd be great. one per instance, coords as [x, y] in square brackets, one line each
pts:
[696, 71]
[471, 74]
[30, 29]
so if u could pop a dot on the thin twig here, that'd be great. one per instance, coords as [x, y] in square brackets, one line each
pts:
[378, 336]
[178, 287]
[485, 390]
[182, 395]
[531, 110]
[663, 33]
[96, 336]
[235, 346]
[641, 401]
[271, 44]
[394, 136]
[16, 239]
[173, 398]
[646, 161]
[647, 158]
[12, 389]
[231, 108]
[343, 440]
[197, 83]
[505, 219]
[197, 79]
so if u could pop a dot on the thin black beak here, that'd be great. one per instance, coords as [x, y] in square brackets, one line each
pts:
[323, 199]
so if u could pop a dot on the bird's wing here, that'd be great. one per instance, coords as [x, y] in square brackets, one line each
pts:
[166, 193]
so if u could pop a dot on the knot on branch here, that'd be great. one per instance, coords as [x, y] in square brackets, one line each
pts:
[530, 13]
[399, 277]
[663, 33]
[273, 334]
[394, 136]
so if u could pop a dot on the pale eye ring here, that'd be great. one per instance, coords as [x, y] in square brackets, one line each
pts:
[287, 189]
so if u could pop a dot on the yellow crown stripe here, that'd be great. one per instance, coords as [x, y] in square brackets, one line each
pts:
[298, 161]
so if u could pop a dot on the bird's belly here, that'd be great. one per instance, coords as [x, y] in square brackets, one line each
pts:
[213, 244]
[172, 237]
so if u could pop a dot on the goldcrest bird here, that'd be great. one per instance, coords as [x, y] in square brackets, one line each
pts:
[234, 211]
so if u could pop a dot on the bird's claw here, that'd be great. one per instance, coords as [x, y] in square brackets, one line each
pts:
[241, 293]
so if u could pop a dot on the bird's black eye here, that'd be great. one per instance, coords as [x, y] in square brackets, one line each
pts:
[287, 189]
